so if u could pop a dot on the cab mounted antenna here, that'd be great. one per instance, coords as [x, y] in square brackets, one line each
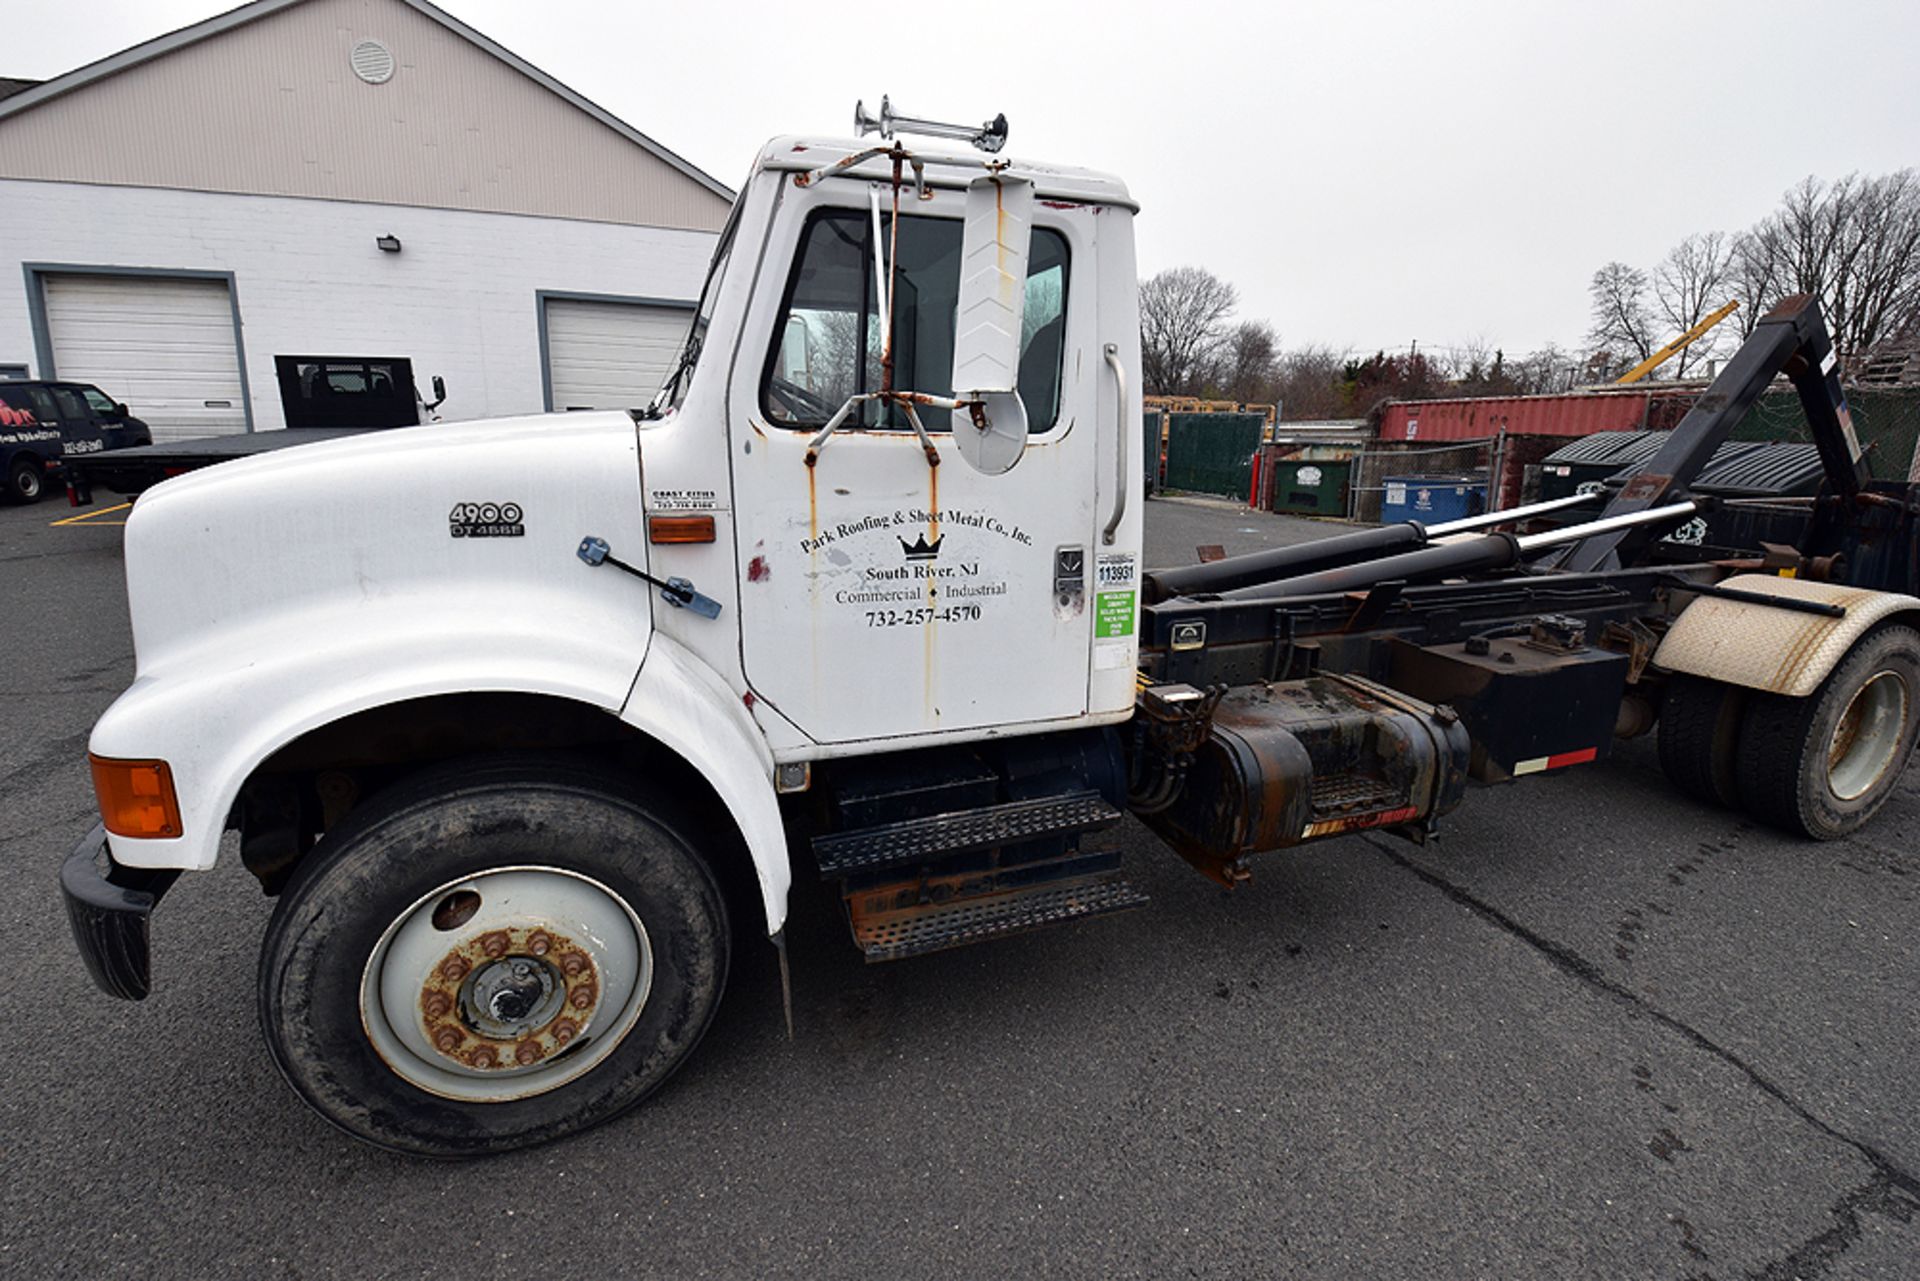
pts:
[988, 137]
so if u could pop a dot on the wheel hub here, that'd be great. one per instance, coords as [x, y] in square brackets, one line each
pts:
[506, 983]
[1867, 737]
[508, 998]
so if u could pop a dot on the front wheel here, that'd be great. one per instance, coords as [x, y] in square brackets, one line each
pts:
[25, 482]
[493, 958]
[1822, 765]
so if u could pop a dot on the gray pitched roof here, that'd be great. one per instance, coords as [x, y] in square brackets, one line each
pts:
[29, 94]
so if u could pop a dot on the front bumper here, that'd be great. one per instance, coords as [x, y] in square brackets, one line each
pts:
[108, 906]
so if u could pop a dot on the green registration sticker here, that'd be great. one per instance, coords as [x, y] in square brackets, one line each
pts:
[1113, 614]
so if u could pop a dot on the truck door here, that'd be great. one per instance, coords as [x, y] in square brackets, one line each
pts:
[882, 596]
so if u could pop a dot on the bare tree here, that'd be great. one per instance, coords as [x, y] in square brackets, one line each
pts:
[1622, 326]
[1690, 283]
[1308, 383]
[1248, 362]
[1183, 313]
[1548, 370]
[1854, 242]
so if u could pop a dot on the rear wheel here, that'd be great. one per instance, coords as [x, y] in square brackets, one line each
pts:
[492, 958]
[1822, 765]
[1699, 737]
[25, 482]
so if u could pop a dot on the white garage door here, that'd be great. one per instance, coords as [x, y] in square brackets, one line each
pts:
[610, 355]
[164, 346]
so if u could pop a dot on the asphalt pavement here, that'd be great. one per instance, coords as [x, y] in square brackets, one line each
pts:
[1597, 1030]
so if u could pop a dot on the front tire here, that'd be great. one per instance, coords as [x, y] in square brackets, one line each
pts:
[491, 958]
[25, 483]
[1822, 765]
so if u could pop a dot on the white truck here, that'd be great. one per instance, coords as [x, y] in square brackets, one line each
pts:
[521, 721]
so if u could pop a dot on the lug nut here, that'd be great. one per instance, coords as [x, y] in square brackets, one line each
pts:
[539, 943]
[448, 1039]
[527, 1052]
[454, 968]
[436, 1004]
[565, 1030]
[573, 963]
[482, 1056]
[495, 944]
[582, 997]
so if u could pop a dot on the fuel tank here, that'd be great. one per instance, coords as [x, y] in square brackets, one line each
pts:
[1287, 762]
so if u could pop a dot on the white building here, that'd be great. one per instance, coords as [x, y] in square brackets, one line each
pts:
[351, 179]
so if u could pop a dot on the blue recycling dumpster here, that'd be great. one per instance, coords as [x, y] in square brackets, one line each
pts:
[1432, 499]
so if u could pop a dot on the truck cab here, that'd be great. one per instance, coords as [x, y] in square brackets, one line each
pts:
[866, 571]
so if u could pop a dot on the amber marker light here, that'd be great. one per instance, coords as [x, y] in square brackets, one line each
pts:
[136, 797]
[679, 529]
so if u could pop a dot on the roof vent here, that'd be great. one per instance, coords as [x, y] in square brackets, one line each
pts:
[372, 62]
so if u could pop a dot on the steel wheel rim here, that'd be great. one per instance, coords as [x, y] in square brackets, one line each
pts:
[1867, 736]
[506, 984]
[28, 483]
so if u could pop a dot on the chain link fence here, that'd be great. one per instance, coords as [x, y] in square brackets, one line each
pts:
[1372, 467]
[1887, 421]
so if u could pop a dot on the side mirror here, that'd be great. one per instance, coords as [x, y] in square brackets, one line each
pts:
[439, 391]
[119, 409]
[992, 304]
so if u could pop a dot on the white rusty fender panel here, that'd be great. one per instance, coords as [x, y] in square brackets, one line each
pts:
[686, 705]
[1777, 650]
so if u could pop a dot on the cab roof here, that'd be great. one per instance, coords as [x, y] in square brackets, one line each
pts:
[945, 168]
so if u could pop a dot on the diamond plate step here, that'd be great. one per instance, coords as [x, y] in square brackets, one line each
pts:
[891, 935]
[919, 839]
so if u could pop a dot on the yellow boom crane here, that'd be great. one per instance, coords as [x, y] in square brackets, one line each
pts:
[1675, 347]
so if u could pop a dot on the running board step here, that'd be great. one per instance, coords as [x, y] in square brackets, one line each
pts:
[919, 839]
[892, 934]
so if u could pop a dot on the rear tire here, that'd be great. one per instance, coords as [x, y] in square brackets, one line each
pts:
[1699, 737]
[25, 483]
[491, 957]
[1822, 765]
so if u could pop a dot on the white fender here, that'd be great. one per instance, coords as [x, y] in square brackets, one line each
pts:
[216, 716]
[684, 703]
[1779, 651]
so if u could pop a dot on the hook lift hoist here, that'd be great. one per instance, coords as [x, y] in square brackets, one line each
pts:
[515, 805]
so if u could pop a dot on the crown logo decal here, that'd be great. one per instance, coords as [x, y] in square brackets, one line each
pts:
[921, 549]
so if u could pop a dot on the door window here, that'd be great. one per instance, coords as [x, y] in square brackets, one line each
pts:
[828, 343]
[73, 410]
[102, 403]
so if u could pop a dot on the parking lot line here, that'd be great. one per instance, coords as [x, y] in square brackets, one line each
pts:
[89, 518]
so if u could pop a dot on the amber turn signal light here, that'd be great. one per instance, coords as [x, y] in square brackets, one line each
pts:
[679, 529]
[136, 797]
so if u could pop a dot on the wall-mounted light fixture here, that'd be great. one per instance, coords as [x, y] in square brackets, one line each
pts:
[388, 244]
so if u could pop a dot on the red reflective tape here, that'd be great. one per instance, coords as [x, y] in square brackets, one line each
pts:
[1580, 757]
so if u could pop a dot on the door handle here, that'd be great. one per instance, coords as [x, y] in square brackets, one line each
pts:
[1120, 444]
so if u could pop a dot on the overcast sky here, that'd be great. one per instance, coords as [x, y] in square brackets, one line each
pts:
[1366, 173]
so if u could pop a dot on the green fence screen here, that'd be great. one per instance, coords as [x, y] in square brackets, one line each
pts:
[1887, 422]
[1213, 453]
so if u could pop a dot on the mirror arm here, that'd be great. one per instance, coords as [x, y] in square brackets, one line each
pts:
[905, 399]
[1120, 445]
[885, 303]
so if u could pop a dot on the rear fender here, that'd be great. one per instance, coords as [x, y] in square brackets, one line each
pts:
[1777, 651]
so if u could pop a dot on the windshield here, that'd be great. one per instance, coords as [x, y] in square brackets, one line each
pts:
[674, 389]
[828, 343]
